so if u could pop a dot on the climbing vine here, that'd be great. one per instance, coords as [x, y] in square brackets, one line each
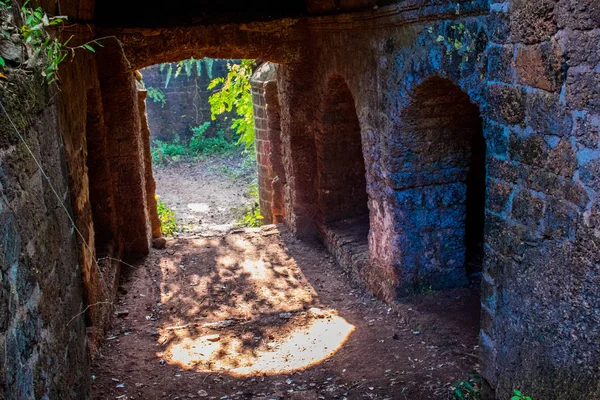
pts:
[234, 94]
[43, 46]
[188, 67]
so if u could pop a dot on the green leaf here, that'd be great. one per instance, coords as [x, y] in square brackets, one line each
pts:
[90, 48]
[2, 62]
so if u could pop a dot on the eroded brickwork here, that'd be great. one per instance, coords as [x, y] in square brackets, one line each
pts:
[269, 157]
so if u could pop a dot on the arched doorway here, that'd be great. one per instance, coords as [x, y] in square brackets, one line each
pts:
[439, 177]
[343, 213]
[341, 183]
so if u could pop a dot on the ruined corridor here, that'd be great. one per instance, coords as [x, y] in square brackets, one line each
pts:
[428, 172]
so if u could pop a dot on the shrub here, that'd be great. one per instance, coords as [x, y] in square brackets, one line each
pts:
[167, 218]
[163, 152]
[517, 395]
[468, 389]
[250, 216]
[234, 94]
[206, 146]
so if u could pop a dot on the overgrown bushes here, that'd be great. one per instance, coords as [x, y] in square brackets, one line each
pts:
[199, 145]
[167, 218]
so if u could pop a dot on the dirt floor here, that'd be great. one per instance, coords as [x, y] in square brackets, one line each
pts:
[255, 314]
[205, 193]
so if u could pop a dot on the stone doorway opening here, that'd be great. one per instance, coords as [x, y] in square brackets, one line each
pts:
[343, 213]
[206, 175]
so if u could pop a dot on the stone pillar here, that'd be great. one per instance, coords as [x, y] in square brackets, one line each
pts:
[298, 109]
[150, 183]
[125, 149]
[267, 123]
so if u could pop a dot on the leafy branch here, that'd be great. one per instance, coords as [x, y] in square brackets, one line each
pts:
[157, 96]
[35, 34]
[234, 94]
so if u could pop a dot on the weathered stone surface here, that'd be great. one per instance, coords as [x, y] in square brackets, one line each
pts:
[581, 46]
[587, 129]
[540, 66]
[39, 266]
[11, 52]
[578, 14]
[583, 90]
[532, 21]
[507, 103]
[500, 63]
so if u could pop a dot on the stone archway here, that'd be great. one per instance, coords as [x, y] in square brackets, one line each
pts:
[439, 181]
[342, 201]
[341, 182]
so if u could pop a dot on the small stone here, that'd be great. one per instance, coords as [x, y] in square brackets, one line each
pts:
[213, 338]
[10, 51]
[202, 393]
[122, 313]
[159, 243]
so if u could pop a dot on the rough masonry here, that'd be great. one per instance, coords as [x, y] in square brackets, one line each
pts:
[425, 142]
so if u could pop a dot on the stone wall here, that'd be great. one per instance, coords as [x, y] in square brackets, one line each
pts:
[431, 78]
[531, 71]
[42, 333]
[61, 242]
[540, 330]
[186, 98]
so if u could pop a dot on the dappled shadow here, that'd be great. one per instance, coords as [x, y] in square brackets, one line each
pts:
[240, 305]
[258, 314]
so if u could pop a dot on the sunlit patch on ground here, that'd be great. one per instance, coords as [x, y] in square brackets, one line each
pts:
[252, 311]
[302, 341]
[198, 207]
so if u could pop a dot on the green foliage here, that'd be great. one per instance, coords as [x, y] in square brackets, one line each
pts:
[187, 66]
[163, 152]
[36, 37]
[468, 389]
[517, 395]
[201, 145]
[167, 218]
[250, 216]
[234, 94]
[40, 43]
[157, 95]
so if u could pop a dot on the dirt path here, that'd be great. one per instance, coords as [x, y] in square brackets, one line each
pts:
[259, 315]
[205, 193]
